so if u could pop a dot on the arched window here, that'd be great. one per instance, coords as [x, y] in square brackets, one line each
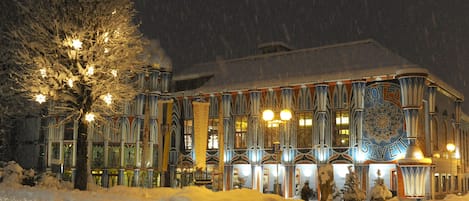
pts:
[271, 128]
[240, 116]
[304, 126]
[341, 117]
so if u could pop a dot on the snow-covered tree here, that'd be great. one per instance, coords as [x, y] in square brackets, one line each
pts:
[82, 56]
[352, 190]
[380, 191]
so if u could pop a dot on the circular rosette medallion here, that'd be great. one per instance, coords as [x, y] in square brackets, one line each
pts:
[383, 122]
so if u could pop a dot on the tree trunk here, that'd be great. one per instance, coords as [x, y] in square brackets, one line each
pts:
[81, 177]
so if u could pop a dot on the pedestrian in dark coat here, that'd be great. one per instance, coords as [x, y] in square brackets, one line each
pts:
[306, 192]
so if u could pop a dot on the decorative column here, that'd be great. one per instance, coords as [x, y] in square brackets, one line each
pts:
[228, 141]
[358, 104]
[321, 101]
[415, 168]
[254, 155]
[288, 152]
[430, 106]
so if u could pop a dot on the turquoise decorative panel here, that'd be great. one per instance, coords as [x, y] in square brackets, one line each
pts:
[384, 137]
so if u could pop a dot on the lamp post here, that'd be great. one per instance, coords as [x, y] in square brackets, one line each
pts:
[269, 116]
[450, 147]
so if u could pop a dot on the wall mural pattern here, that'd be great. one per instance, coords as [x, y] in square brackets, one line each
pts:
[383, 125]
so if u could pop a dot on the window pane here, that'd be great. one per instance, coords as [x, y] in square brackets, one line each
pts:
[212, 134]
[188, 134]
[68, 131]
[305, 130]
[342, 132]
[241, 125]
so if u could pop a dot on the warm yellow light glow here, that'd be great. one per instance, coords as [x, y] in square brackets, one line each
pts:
[106, 37]
[436, 155]
[43, 72]
[450, 147]
[307, 172]
[268, 115]
[107, 98]
[89, 117]
[418, 155]
[70, 82]
[114, 73]
[342, 120]
[305, 122]
[344, 131]
[40, 98]
[90, 70]
[285, 115]
[76, 44]
[273, 124]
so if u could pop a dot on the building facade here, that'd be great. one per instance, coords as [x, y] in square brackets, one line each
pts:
[351, 104]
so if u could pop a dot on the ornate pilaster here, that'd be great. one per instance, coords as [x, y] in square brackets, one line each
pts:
[321, 109]
[165, 81]
[431, 113]
[412, 87]
[357, 106]
[228, 141]
[287, 99]
[415, 168]
[288, 153]
[254, 151]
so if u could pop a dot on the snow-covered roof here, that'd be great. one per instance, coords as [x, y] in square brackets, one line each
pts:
[363, 59]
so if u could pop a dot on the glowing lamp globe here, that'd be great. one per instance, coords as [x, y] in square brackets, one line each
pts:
[268, 115]
[285, 115]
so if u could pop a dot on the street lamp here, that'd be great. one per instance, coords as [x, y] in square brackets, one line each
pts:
[451, 147]
[269, 116]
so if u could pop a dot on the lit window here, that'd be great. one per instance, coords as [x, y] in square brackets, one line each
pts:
[305, 130]
[342, 132]
[188, 134]
[212, 134]
[241, 125]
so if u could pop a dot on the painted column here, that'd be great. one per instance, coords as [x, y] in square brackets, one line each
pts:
[228, 141]
[431, 112]
[254, 157]
[415, 168]
[358, 104]
[321, 101]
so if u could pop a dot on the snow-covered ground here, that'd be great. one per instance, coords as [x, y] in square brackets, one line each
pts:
[50, 189]
[121, 193]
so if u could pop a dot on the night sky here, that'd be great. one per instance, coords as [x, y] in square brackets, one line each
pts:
[430, 33]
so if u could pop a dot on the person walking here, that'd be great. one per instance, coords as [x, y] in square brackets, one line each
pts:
[306, 192]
